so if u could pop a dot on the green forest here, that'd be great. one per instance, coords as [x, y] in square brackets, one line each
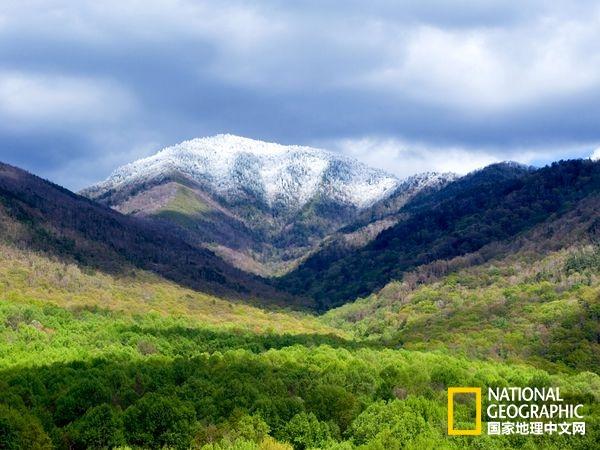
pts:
[99, 350]
[182, 370]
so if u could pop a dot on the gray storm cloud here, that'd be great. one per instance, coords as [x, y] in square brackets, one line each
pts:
[409, 86]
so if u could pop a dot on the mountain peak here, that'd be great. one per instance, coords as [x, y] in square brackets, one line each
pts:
[234, 167]
[231, 143]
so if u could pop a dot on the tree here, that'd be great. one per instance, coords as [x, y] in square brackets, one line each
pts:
[21, 431]
[252, 428]
[391, 423]
[100, 427]
[77, 400]
[156, 421]
[332, 402]
[306, 431]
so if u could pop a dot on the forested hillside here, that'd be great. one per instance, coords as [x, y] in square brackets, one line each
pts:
[494, 204]
[535, 299]
[104, 344]
[36, 214]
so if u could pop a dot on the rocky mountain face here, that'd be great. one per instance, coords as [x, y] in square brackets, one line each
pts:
[262, 206]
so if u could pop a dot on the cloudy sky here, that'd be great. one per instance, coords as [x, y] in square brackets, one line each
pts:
[407, 86]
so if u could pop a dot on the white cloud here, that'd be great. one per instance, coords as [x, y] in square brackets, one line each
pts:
[118, 22]
[490, 69]
[414, 51]
[514, 78]
[596, 154]
[34, 99]
[405, 159]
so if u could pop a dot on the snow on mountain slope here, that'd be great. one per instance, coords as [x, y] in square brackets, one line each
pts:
[261, 206]
[428, 180]
[278, 175]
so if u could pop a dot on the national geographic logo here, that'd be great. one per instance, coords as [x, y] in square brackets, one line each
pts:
[519, 410]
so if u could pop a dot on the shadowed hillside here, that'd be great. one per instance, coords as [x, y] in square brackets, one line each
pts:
[38, 215]
[493, 204]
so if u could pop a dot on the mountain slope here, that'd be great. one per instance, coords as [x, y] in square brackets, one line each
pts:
[259, 205]
[389, 208]
[38, 215]
[493, 204]
[534, 298]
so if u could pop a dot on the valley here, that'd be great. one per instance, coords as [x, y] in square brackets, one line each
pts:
[168, 309]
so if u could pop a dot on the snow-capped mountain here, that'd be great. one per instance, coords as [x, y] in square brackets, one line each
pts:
[278, 175]
[262, 206]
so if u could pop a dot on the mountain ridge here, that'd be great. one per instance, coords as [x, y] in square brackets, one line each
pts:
[261, 206]
[45, 217]
[489, 205]
[226, 161]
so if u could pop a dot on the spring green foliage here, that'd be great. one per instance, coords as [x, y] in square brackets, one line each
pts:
[226, 389]
[542, 310]
[160, 421]
[90, 360]
[586, 261]
[20, 430]
[29, 278]
[99, 427]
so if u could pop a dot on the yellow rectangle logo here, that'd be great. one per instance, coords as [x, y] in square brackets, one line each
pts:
[464, 390]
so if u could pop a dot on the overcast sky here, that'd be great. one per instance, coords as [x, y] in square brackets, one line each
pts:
[87, 86]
